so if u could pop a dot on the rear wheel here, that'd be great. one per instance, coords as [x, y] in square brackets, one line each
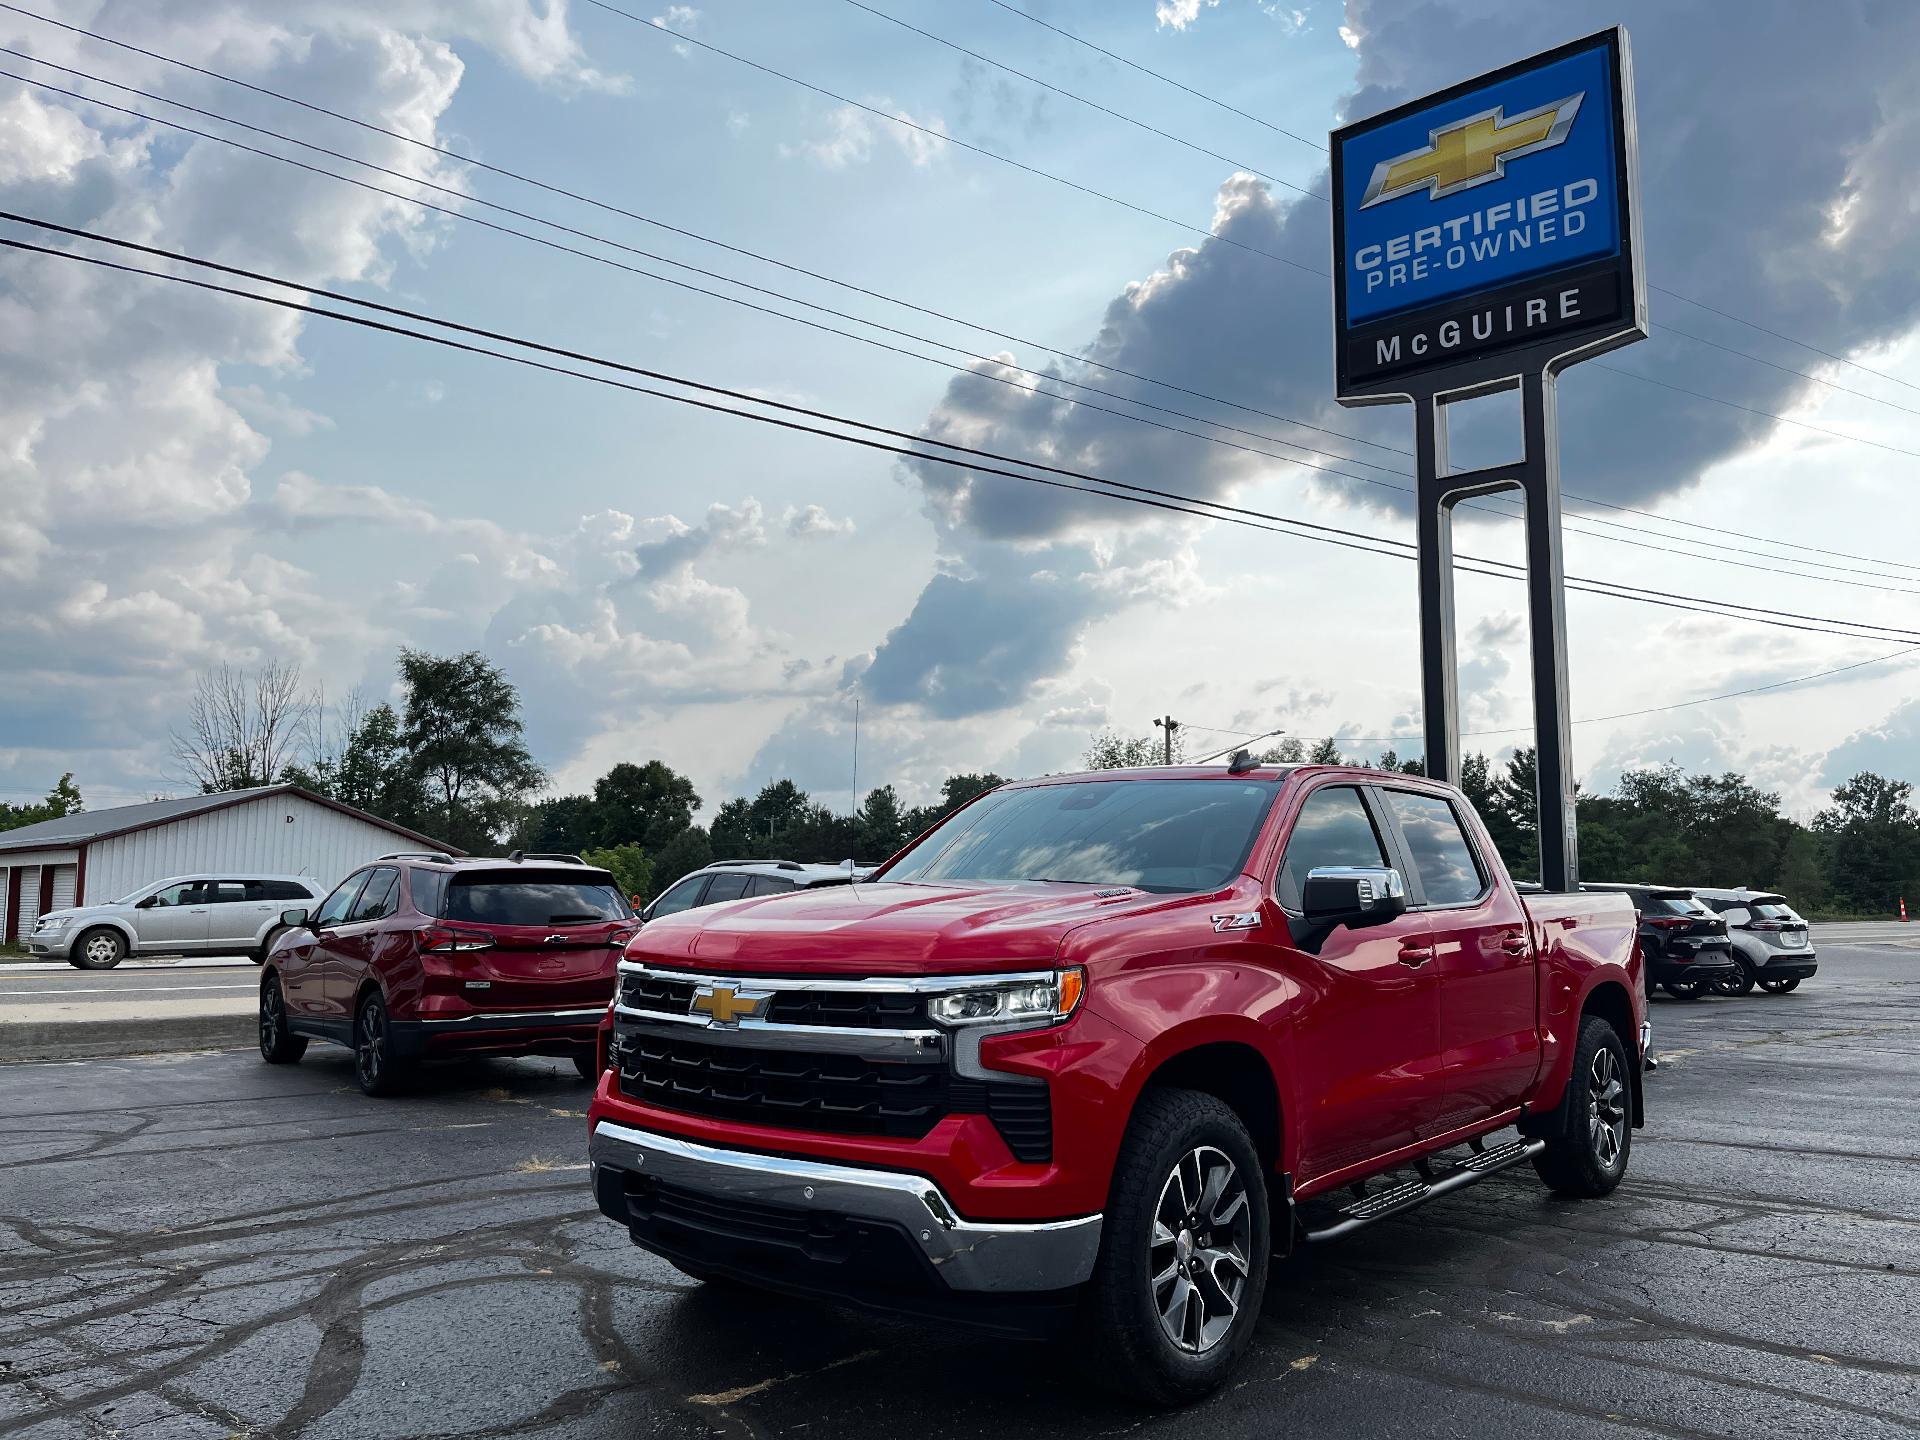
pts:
[1685, 989]
[1184, 1251]
[1589, 1157]
[1781, 986]
[99, 949]
[374, 1065]
[1737, 982]
[278, 1045]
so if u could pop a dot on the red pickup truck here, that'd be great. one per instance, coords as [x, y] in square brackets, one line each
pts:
[1096, 1048]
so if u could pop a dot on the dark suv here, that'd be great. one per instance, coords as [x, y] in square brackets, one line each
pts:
[1684, 943]
[418, 956]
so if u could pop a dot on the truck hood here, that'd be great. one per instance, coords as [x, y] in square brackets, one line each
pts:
[81, 912]
[888, 929]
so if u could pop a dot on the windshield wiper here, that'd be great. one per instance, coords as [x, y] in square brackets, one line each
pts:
[573, 919]
[1050, 880]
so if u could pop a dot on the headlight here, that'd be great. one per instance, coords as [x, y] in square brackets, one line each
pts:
[1045, 1000]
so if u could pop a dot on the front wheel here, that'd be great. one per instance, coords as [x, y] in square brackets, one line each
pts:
[1782, 986]
[1738, 982]
[278, 1045]
[1589, 1157]
[374, 1065]
[266, 945]
[587, 1066]
[1183, 1257]
[100, 949]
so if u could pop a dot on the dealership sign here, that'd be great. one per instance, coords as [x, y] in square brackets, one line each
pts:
[1489, 228]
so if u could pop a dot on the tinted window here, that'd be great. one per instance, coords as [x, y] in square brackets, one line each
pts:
[726, 887]
[1167, 836]
[1673, 905]
[377, 900]
[683, 896]
[429, 889]
[1333, 828]
[333, 911]
[228, 892]
[522, 897]
[1774, 910]
[1449, 871]
[771, 885]
[281, 890]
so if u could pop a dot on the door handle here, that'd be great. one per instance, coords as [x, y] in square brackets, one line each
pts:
[1414, 956]
[1514, 943]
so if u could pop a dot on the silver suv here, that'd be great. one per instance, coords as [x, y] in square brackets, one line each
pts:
[739, 879]
[1772, 943]
[183, 915]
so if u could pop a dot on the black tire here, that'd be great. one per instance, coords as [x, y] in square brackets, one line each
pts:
[1740, 982]
[1781, 987]
[266, 945]
[100, 948]
[1686, 989]
[588, 1066]
[1590, 1157]
[278, 1045]
[380, 1074]
[711, 1277]
[1175, 1147]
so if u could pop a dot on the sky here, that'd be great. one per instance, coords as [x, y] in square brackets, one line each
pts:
[189, 479]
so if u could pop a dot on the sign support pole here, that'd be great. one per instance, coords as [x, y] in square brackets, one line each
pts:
[1439, 659]
[1546, 604]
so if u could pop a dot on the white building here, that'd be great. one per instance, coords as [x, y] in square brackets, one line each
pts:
[103, 854]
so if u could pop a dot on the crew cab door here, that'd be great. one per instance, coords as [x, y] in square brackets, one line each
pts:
[1367, 1045]
[1483, 957]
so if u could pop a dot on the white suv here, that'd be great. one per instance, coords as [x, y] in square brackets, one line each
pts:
[739, 879]
[183, 915]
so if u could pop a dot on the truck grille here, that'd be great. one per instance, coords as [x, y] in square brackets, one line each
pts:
[847, 1009]
[837, 1094]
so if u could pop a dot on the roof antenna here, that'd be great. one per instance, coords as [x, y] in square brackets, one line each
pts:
[515, 856]
[1241, 762]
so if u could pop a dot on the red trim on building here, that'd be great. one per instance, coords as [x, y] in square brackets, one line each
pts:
[46, 888]
[80, 879]
[10, 926]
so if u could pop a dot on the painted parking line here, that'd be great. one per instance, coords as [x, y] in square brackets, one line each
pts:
[127, 990]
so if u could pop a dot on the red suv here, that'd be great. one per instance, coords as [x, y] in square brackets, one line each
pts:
[421, 956]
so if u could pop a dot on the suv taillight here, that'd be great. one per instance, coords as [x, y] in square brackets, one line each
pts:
[1669, 922]
[620, 937]
[445, 940]
[1765, 925]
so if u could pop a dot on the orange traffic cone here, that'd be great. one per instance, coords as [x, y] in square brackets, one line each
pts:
[1903, 907]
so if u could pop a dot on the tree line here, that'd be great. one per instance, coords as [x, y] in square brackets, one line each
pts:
[448, 757]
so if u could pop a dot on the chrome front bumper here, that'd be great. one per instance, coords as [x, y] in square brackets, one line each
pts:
[967, 1255]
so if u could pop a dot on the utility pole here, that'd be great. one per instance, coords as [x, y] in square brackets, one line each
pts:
[1168, 725]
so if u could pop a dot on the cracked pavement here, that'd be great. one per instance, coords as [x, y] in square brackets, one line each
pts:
[201, 1246]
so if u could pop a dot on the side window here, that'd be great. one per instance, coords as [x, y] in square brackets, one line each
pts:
[770, 885]
[187, 892]
[376, 901]
[1450, 872]
[683, 896]
[334, 910]
[1332, 828]
[283, 890]
[726, 887]
[227, 892]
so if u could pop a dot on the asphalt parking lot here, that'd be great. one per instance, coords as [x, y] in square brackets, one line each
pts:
[196, 1245]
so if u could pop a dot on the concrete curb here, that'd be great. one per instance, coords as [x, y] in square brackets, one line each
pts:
[25, 1040]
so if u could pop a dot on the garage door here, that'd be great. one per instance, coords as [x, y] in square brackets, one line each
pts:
[26, 882]
[64, 877]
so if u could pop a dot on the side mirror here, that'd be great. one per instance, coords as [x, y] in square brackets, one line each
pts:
[1353, 895]
[148, 903]
[293, 919]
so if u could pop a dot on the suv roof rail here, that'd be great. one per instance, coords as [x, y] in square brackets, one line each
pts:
[438, 855]
[516, 856]
[776, 864]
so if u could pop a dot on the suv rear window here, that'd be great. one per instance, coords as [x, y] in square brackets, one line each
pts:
[529, 897]
[1674, 905]
[1773, 910]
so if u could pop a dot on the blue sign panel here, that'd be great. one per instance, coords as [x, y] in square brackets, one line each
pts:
[1453, 211]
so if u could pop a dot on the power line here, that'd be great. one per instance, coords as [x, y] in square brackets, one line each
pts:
[1138, 124]
[795, 269]
[1137, 494]
[1163, 79]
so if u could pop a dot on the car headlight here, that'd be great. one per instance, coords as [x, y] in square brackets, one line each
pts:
[1044, 1000]
[52, 923]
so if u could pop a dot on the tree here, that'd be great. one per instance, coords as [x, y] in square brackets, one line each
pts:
[63, 799]
[1290, 751]
[732, 832]
[1872, 835]
[560, 824]
[631, 869]
[1111, 750]
[464, 740]
[682, 855]
[1325, 752]
[955, 791]
[882, 824]
[642, 804]
[778, 807]
[1512, 805]
[243, 729]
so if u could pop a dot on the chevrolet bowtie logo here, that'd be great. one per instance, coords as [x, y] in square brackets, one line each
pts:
[1471, 152]
[725, 1005]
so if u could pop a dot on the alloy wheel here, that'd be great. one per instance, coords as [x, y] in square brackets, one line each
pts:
[269, 1016]
[1197, 1253]
[1606, 1109]
[100, 949]
[370, 1053]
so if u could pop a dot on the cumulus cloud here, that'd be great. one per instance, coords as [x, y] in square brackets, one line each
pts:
[852, 134]
[1179, 14]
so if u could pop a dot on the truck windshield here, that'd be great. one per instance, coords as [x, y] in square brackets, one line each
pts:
[1167, 836]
